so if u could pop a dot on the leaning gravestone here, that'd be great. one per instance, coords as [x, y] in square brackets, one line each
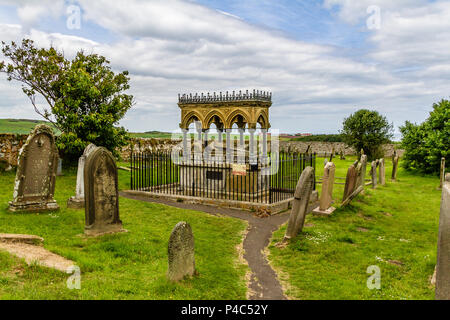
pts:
[373, 172]
[302, 194]
[443, 252]
[181, 252]
[350, 182]
[77, 201]
[326, 197]
[382, 172]
[101, 193]
[34, 186]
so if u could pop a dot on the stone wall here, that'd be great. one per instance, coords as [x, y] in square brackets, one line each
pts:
[10, 145]
[328, 147]
[148, 144]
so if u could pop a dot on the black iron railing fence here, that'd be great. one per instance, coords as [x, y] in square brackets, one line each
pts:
[261, 183]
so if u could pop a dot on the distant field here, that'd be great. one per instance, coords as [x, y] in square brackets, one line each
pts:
[21, 126]
[24, 126]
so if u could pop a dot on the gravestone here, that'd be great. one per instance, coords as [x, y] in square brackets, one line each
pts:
[373, 172]
[299, 210]
[342, 155]
[34, 186]
[326, 197]
[442, 172]
[394, 165]
[101, 193]
[350, 182]
[443, 251]
[77, 201]
[59, 167]
[357, 191]
[382, 172]
[362, 167]
[181, 252]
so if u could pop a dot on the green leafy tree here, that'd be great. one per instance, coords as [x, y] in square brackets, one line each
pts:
[84, 98]
[367, 130]
[425, 144]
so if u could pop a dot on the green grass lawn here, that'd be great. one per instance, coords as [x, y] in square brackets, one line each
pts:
[397, 222]
[21, 126]
[129, 265]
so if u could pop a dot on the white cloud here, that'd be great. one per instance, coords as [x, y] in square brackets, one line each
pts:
[31, 12]
[172, 47]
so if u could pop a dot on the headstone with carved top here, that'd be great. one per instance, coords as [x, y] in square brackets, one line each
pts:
[34, 186]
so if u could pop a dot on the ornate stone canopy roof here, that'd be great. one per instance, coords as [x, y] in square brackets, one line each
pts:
[226, 109]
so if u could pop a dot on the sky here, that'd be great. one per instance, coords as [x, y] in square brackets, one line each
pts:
[321, 59]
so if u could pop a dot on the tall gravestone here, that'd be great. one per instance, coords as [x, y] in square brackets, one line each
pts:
[394, 166]
[443, 252]
[350, 182]
[382, 172]
[362, 167]
[326, 197]
[442, 173]
[373, 172]
[299, 210]
[77, 201]
[34, 186]
[181, 252]
[101, 193]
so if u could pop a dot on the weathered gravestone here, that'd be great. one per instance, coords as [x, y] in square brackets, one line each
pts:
[362, 167]
[395, 158]
[350, 182]
[373, 172]
[101, 193]
[326, 197]
[34, 186]
[442, 173]
[382, 172]
[443, 252]
[181, 252]
[77, 201]
[299, 210]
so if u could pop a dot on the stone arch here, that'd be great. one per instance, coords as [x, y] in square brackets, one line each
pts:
[190, 117]
[263, 120]
[231, 118]
[210, 116]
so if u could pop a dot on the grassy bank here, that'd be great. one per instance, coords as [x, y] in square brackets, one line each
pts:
[129, 265]
[393, 227]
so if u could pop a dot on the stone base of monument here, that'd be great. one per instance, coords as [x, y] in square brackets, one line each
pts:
[96, 230]
[327, 212]
[33, 206]
[75, 203]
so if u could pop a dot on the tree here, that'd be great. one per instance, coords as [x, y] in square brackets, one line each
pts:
[84, 97]
[367, 130]
[427, 143]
